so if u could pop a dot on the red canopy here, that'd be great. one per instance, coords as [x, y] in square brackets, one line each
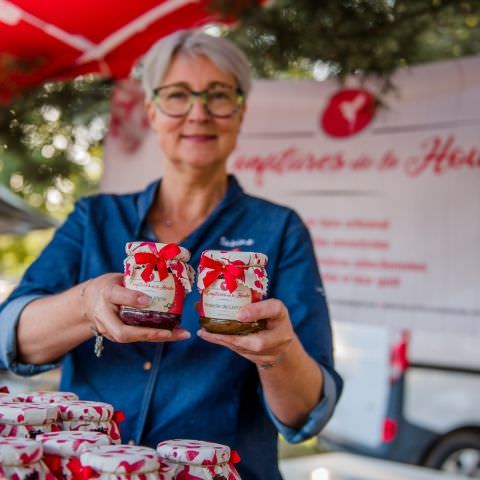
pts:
[57, 39]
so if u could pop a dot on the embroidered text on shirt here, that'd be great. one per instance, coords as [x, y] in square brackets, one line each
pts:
[225, 242]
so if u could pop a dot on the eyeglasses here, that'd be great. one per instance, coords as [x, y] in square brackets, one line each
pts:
[219, 100]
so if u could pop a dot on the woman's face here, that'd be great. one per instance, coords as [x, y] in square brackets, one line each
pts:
[198, 140]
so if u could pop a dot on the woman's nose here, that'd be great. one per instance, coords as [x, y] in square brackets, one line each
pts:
[198, 110]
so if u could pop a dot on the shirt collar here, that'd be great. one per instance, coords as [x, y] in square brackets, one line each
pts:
[147, 197]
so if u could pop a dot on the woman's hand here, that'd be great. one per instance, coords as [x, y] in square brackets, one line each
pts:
[294, 387]
[101, 299]
[267, 347]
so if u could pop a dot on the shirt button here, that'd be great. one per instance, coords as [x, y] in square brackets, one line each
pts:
[147, 366]
[131, 442]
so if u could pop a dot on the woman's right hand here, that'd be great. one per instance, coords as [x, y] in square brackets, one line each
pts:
[101, 300]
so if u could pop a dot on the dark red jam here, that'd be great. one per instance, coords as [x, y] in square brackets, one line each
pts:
[149, 318]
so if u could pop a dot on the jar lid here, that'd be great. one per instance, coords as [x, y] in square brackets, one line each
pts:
[244, 268]
[121, 459]
[20, 413]
[19, 451]
[227, 257]
[68, 443]
[7, 398]
[193, 452]
[85, 410]
[47, 396]
[153, 261]
[154, 247]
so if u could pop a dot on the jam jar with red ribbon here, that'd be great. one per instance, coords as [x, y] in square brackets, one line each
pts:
[227, 281]
[85, 415]
[120, 462]
[197, 460]
[160, 271]
[62, 451]
[22, 458]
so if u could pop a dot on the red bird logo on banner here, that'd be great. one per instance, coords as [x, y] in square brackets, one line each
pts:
[348, 112]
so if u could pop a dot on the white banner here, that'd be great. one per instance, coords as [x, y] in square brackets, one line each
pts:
[393, 209]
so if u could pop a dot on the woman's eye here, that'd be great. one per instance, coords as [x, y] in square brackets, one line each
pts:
[178, 95]
[218, 96]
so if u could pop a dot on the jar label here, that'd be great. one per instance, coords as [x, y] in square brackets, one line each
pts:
[165, 295]
[218, 302]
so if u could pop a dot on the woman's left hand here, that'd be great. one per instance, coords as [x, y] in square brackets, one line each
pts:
[267, 347]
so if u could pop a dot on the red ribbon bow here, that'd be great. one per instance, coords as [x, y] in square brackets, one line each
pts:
[54, 463]
[119, 416]
[80, 472]
[152, 260]
[231, 272]
[4, 389]
[234, 457]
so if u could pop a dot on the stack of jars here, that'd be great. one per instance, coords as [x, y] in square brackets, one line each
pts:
[75, 440]
[29, 414]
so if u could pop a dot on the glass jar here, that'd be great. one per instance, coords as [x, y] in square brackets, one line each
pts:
[83, 415]
[122, 462]
[227, 281]
[26, 420]
[63, 449]
[197, 459]
[21, 458]
[160, 271]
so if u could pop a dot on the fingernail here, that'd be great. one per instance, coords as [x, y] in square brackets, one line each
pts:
[143, 300]
[243, 315]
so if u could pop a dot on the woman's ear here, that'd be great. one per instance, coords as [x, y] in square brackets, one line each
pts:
[151, 112]
[242, 112]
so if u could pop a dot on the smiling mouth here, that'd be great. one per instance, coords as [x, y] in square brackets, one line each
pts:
[199, 137]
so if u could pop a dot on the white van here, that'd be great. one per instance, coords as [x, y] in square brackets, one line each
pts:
[409, 396]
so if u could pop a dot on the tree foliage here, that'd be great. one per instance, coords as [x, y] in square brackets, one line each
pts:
[50, 155]
[354, 36]
[50, 142]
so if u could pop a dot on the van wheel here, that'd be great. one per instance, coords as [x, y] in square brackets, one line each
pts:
[458, 453]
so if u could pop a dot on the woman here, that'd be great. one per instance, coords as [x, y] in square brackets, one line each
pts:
[236, 390]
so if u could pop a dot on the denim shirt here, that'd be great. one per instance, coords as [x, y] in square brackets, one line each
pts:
[186, 389]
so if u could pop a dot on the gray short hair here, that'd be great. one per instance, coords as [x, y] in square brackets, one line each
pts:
[220, 51]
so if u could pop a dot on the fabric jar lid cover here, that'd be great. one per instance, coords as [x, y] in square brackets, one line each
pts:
[19, 413]
[19, 451]
[193, 452]
[47, 396]
[229, 256]
[121, 459]
[244, 268]
[85, 410]
[68, 443]
[8, 398]
[146, 247]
